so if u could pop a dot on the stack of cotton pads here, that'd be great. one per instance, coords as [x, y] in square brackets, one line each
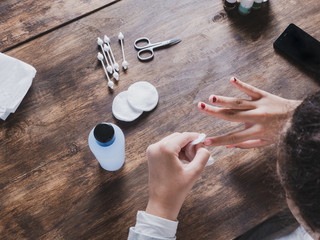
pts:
[140, 97]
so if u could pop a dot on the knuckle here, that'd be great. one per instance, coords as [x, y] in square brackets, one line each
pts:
[231, 112]
[233, 139]
[238, 102]
[259, 131]
[263, 116]
[164, 147]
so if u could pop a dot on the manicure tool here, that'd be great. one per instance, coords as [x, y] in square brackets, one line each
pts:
[149, 47]
[124, 63]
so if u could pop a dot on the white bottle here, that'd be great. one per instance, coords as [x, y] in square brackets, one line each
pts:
[107, 143]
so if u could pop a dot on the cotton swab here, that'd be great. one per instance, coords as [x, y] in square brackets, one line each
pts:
[124, 63]
[110, 83]
[107, 41]
[107, 49]
[100, 43]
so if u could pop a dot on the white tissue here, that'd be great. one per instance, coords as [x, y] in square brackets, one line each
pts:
[15, 80]
[191, 151]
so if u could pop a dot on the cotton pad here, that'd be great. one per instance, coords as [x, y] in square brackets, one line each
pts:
[191, 151]
[143, 96]
[122, 110]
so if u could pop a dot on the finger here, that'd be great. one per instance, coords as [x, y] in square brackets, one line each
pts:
[233, 115]
[232, 138]
[199, 161]
[230, 102]
[179, 141]
[250, 144]
[253, 92]
[167, 138]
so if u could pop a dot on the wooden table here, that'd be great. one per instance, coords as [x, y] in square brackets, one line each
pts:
[51, 186]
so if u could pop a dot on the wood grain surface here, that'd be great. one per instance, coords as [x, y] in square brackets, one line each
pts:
[51, 186]
[23, 20]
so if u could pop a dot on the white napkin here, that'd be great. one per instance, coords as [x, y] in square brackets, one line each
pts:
[15, 80]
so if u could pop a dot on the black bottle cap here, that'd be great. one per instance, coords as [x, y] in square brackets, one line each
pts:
[103, 132]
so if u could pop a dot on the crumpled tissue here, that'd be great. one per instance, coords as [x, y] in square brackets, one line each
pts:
[15, 80]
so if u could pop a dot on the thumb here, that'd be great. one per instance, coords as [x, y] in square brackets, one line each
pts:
[199, 161]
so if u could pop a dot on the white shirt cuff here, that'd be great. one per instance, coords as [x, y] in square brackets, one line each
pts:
[154, 226]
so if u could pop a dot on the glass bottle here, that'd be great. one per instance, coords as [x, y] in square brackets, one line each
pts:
[245, 7]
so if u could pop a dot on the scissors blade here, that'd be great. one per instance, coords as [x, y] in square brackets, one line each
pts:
[174, 41]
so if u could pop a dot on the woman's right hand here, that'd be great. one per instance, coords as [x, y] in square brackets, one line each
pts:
[263, 116]
[171, 179]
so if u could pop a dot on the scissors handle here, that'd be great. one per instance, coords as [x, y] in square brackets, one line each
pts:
[148, 51]
[143, 39]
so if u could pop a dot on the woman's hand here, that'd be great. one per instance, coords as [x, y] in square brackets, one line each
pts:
[263, 116]
[170, 179]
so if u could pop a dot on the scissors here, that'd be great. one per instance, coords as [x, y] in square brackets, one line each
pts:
[149, 47]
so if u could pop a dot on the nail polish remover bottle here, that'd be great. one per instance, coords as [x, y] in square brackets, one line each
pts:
[106, 141]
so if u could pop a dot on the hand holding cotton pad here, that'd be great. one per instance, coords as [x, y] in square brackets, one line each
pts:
[191, 148]
[129, 105]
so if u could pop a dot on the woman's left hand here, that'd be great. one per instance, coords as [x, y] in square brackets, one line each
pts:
[263, 116]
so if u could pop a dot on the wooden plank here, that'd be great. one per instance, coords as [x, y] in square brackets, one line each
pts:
[26, 19]
[51, 185]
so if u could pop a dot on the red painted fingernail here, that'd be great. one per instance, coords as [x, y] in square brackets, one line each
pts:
[203, 105]
[234, 79]
[214, 99]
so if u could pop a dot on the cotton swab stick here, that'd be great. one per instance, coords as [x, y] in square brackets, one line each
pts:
[100, 43]
[125, 64]
[110, 83]
[107, 49]
[107, 41]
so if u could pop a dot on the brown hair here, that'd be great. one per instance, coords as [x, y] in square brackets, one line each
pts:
[299, 160]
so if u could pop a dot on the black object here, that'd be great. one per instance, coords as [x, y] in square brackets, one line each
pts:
[229, 5]
[299, 46]
[103, 132]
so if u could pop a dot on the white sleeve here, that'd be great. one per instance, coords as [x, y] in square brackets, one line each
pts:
[152, 227]
[298, 234]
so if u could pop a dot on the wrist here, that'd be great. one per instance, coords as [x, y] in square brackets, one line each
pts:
[163, 210]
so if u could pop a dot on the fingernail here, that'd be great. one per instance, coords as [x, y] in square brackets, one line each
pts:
[234, 79]
[230, 146]
[203, 105]
[214, 99]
